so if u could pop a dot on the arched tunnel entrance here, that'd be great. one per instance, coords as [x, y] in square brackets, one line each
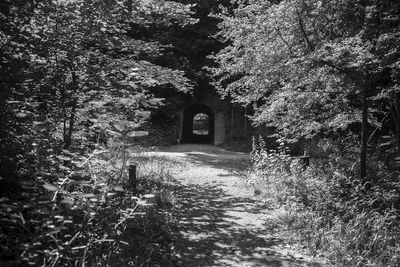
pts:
[198, 125]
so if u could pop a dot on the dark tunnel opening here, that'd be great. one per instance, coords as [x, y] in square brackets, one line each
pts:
[198, 125]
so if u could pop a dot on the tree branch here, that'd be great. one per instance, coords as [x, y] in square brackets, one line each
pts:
[303, 31]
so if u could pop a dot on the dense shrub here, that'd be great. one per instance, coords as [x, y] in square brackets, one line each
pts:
[355, 223]
[85, 214]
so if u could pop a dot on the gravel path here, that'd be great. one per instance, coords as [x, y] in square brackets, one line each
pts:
[221, 224]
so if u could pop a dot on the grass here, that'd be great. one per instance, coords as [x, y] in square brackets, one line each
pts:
[85, 215]
[326, 207]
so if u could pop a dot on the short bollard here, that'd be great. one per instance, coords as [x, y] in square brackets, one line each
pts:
[305, 161]
[132, 177]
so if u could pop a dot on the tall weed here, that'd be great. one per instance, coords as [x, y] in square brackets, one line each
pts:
[353, 222]
[85, 215]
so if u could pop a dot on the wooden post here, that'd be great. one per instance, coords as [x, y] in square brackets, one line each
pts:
[132, 177]
[305, 160]
[232, 124]
[245, 122]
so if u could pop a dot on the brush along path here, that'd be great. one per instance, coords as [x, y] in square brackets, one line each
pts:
[221, 224]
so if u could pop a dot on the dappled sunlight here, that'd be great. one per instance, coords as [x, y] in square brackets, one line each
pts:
[220, 224]
[218, 229]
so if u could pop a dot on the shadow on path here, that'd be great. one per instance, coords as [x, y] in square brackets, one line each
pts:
[220, 224]
[217, 229]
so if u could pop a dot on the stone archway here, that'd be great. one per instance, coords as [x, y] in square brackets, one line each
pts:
[188, 135]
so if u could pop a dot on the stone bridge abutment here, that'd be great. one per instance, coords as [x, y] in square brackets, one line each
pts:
[226, 123]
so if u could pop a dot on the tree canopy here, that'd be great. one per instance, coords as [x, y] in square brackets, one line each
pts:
[306, 61]
[75, 66]
[312, 67]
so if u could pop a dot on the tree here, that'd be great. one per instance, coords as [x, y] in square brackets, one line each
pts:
[71, 67]
[305, 62]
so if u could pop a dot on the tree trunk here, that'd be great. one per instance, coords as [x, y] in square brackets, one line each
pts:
[396, 117]
[364, 134]
[68, 135]
[68, 138]
[310, 45]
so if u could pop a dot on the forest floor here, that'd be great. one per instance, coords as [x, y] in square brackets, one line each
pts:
[221, 222]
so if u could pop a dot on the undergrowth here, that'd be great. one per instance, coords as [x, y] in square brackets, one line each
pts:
[326, 206]
[79, 211]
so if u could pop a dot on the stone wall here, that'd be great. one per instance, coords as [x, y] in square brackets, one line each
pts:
[174, 123]
[230, 124]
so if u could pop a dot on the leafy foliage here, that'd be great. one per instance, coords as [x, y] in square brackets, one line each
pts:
[71, 75]
[73, 79]
[328, 207]
[79, 64]
[87, 216]
[302, 63]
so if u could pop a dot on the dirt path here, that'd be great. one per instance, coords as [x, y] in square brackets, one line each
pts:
[221, 224]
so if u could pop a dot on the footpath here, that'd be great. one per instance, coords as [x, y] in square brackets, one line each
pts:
[221, 223]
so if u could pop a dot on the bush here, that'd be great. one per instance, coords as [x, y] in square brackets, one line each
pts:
[355, 223]
[84, 214]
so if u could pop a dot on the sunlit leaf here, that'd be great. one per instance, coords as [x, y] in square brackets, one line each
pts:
[144, 114]
[62, 157]
[22, 114]
[386, 144]
[126, 101]
[114, 133]
[50, 187]
[138, 134]
[156, 101]
[118, 188]
[121, 126]
[86, 195]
